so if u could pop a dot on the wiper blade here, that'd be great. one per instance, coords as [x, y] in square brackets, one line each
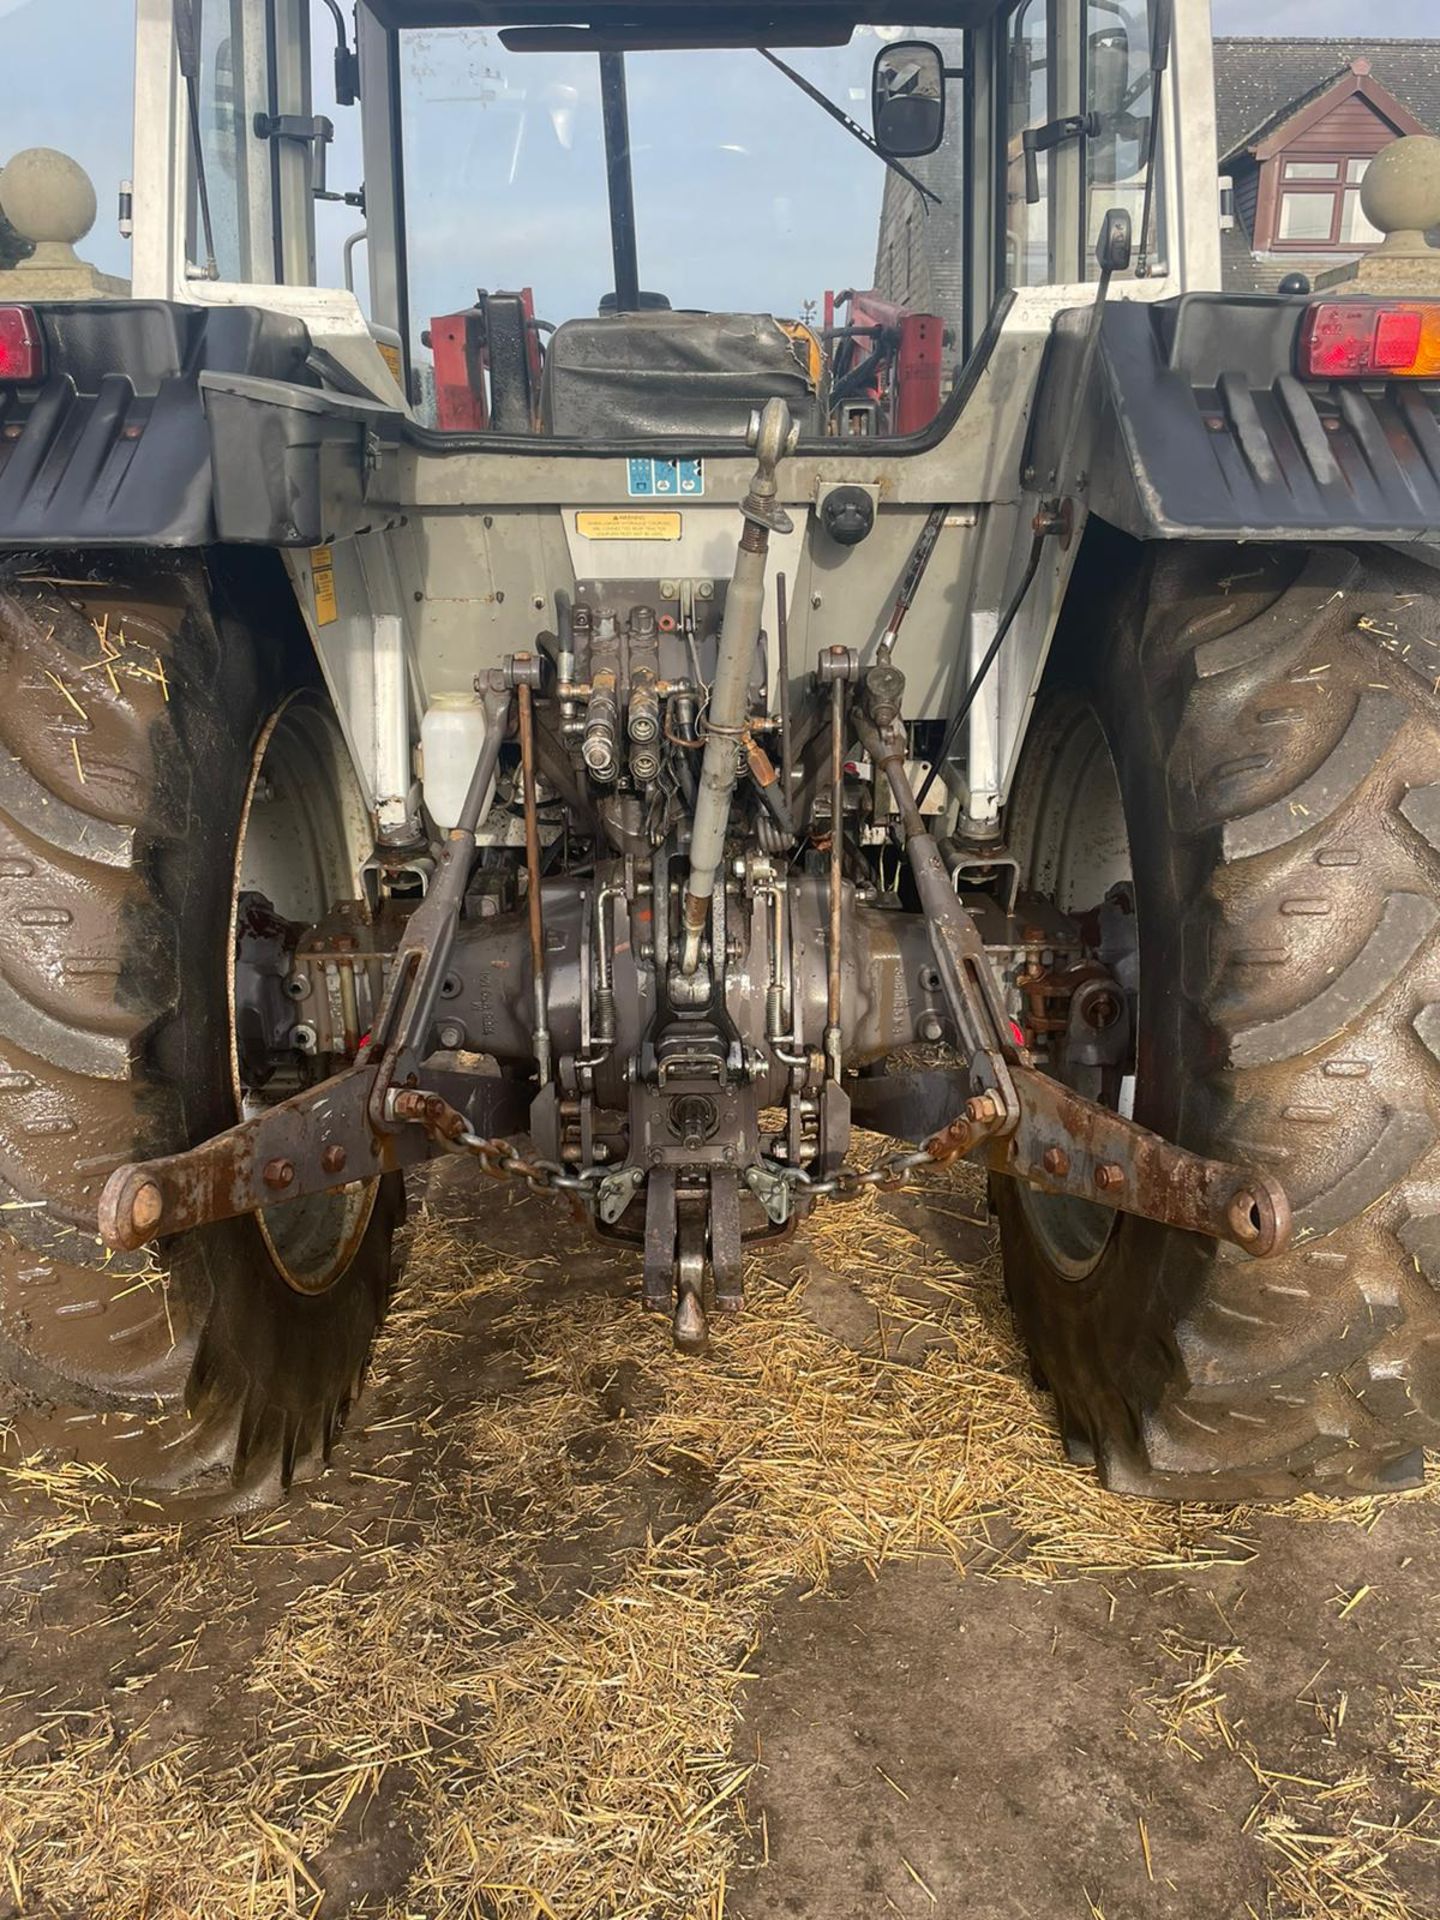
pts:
[852, 127]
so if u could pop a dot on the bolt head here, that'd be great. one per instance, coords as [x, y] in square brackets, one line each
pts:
[333, 1159]
[1102, 1011]
[1110, 1177]
[147, 1208]
[930, 1028]
[1056, 1162]
[279, 1174]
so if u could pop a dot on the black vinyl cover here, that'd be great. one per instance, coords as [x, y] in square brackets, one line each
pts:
[634, 376]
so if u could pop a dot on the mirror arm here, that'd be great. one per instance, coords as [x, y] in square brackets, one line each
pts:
[852, 127]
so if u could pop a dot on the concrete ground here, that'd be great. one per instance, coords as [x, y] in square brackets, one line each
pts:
[820, 1626]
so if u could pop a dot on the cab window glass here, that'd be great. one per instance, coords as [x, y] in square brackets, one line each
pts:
[224, 139]
[1077, 81]
[1119, 93]
[752, 206]
[1029, 248]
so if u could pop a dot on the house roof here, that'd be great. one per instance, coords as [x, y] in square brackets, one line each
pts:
[1261, 83]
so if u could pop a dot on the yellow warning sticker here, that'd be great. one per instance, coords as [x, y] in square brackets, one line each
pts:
[634, 524]
[322, 572]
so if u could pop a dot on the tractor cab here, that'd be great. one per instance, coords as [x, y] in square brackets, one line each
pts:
[597, 223]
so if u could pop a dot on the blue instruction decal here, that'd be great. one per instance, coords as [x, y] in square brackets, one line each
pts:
[666, 479]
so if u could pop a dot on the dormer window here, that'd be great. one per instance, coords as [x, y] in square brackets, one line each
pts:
[1319, 205]
[1300, 121]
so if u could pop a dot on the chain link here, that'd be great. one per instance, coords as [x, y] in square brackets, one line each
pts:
[504, 1161]
[848, 1183]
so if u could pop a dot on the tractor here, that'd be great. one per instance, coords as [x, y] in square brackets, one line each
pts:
[635, 586]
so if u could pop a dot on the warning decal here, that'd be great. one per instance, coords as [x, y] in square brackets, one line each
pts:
[322, 572]
[634, 524]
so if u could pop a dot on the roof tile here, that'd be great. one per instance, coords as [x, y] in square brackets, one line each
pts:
[1258, 80]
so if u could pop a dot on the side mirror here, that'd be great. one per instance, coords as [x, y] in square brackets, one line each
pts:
[1116, 244]
[907, 99]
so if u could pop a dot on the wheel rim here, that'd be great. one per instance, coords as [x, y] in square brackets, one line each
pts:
[1073, 831]
[303, 834]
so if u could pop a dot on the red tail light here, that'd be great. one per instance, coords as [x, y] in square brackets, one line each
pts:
[1372, 339]
[22, 351]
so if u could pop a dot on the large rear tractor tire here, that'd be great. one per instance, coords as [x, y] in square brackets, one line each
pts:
[154, 745]
[1243, 747]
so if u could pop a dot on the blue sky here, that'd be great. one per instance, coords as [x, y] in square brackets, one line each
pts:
[1414, 19]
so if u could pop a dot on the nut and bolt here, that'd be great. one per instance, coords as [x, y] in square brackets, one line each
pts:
[333, 1159]
[1056, 1162]
[983, 1110]
[1101, 1010]
[147, 1208]
[451, 1036]
[930, 1028]
[279, 1174]
[1110, 1177]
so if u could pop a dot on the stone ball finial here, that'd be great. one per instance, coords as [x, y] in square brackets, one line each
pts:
[1401, 193]
[48, 198]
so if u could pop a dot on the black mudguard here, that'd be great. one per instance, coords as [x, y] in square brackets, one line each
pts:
[1205, 431]
[172, 426]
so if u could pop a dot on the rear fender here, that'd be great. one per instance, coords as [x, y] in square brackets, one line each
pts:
[160, 425]
[1203, 430]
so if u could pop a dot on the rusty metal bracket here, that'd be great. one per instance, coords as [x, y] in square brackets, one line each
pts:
[1069, 1145]
[318, 1140]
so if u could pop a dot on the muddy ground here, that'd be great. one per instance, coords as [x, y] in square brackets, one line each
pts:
[821, 1625]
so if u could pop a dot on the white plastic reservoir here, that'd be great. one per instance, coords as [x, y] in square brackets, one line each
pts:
[451, 736]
